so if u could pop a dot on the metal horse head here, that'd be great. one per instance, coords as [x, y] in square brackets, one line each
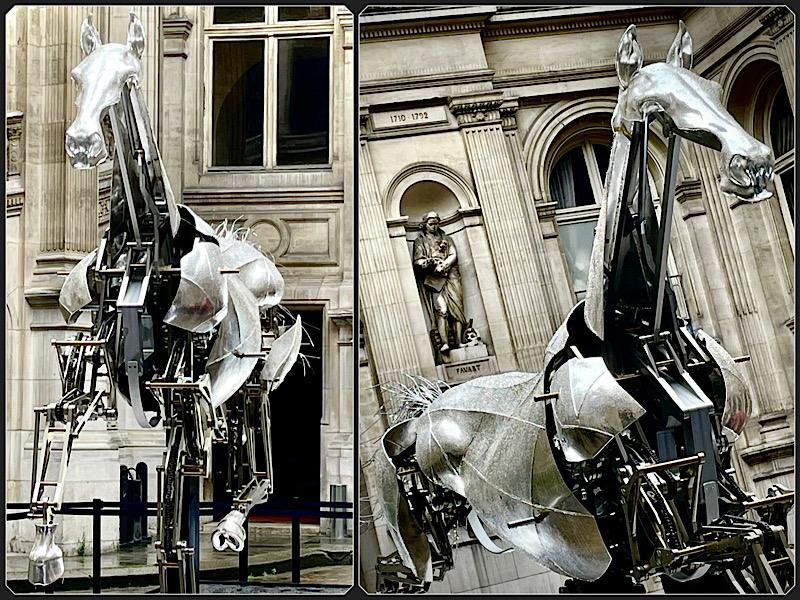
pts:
[99, 78]
[693, 107]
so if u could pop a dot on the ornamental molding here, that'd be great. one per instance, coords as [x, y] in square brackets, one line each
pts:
[13, 138]
[508, 113]
[778, 21]
[476, 109]
[563, 26]
[213, 196]
[442, 21]
[14, 203]
[176, 26]
[420, 30]
[388, 82]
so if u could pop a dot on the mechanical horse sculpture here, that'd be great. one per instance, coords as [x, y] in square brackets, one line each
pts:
[179, 313]
[612, 465]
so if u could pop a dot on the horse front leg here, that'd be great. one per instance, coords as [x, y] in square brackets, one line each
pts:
[255, 467]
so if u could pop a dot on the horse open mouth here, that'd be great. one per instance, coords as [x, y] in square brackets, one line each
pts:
[747, 179]
[86, 152]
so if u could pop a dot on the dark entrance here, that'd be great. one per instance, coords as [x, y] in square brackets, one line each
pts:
[296, 414]
[296, 410]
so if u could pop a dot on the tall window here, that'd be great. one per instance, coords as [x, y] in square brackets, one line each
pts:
[781, 135]
[269, 86]
[576, 186]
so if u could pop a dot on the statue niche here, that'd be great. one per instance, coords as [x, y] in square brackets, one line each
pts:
[439, 281]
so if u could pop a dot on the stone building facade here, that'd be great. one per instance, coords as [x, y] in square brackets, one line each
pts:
[284, 169]
[499, 119]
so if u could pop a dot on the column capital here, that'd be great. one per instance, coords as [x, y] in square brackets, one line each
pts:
[176, 29]
[508, 113]
[778, 22]
[176, 26]
[476, 109]
[363, 121]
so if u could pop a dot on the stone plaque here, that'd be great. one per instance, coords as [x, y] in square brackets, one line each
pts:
[458, 372]
[409, 117]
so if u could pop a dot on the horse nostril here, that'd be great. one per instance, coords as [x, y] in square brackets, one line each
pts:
[740, 171]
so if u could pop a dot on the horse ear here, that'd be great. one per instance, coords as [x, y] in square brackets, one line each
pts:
[680, 53]
[136, 36]
[90, 37]
[629, 56]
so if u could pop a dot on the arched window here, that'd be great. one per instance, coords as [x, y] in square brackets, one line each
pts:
[576, 186]
[781, 137]
[578, 176]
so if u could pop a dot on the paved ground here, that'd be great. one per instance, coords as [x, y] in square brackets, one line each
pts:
[133, 570]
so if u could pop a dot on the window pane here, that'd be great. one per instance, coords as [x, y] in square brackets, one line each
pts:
[781, 124]
[602, 154]
[238, 14]
[238, 104]
[302, 13]
[787, 179]
[569, 181]
[303, 101]
[576, 239]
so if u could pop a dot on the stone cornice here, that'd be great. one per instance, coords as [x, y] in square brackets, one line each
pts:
[176, 27]
[424, 21]
[42, 297]
[342, 317]
[778, 21]
[546, 210]
[554, 74]
[14, 202]
[211, 196]
[566, 23]
[767, 452]
[423, 80]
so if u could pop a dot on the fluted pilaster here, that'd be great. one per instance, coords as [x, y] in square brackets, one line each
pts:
[176, 29]
[769, 383]
[780, 27]
[514, 255]
[382, 305]
[80, 225]
[508, 112]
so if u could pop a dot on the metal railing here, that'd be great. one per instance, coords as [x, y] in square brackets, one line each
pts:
[296, 508]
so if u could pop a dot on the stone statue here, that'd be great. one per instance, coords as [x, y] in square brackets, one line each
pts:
[436, 268]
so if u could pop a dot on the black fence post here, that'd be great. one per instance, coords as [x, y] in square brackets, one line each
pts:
[97, 542]
[244, 554]
[141, 471]
[297, 504]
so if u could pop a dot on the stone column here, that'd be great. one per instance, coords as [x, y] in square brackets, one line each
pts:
[176, 29]
[382, 304]
[701, 264]
[780, 27]
[770, 387]
[64, 200]
[508, 112]
[507, 228]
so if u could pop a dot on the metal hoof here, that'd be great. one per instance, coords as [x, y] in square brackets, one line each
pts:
[229, 533]
[46, 564]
